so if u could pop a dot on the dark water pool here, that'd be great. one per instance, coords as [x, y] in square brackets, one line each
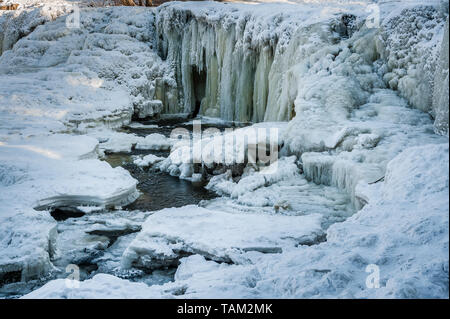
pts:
[158, 189]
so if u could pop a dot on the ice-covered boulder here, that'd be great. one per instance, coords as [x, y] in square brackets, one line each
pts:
[116, 142]
[284, 191]
[149, 109]
[216, 151]
[147, 160]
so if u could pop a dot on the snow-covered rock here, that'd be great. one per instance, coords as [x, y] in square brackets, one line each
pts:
[116, 142]
[233, 149]
[88, 239]
[170, 234]
[154, 142]
[147, 160]
[149, 109]
[27, 243]
[285, 191]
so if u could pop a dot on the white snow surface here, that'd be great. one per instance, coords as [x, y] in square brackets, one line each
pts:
[353, 105]
[100, 286]
[169, 234]
[50, 171]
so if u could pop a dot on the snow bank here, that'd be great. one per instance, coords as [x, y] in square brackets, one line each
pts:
[43, 172]
[212, 152]
[170, 234]
[101, 286]
[68, 180]
[16, 24]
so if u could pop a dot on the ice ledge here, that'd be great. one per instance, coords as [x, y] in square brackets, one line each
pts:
[171, 234]
[43, 172]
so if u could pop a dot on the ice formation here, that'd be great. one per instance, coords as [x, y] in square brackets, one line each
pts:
[333, 78]
[246, 63]
[16, 24]
[362, 176]
[441, 93]
[100, 286]
[147, 160]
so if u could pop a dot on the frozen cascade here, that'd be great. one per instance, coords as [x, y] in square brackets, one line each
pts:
[335, 80]
[349, 98]
[228, 66]
[440, 94]
[243, 65]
